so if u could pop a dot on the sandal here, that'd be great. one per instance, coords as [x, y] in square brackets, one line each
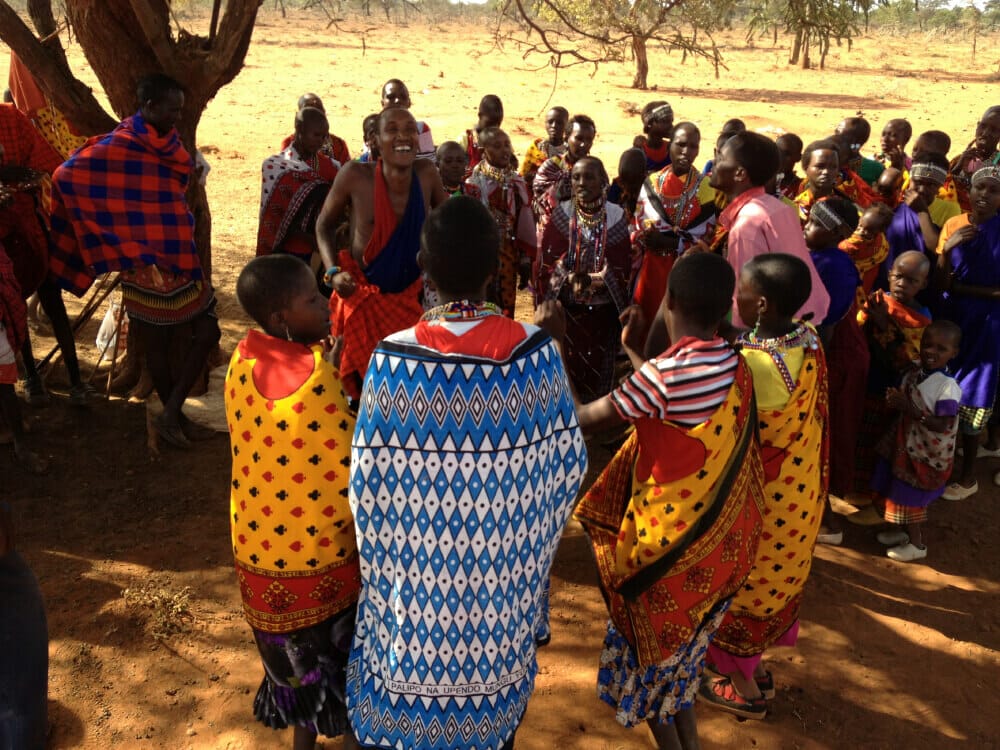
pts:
[195, 432]
[722, 694]
[766, 685]
[171, 433]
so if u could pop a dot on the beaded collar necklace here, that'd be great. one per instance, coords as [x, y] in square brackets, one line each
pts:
[799, 336]
[592, 216]
[462, 309]
[500, 175]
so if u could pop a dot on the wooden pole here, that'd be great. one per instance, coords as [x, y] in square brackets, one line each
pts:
[215, 21]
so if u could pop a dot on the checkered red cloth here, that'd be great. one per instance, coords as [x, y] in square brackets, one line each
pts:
[13, 313]
[291, 196]
[21, 229]
[367, 317]
[118, 203]
[23, 145]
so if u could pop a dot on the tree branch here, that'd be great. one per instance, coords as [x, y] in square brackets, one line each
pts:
[613, 33]
[49, 68]
[229, 50]
[156, 28]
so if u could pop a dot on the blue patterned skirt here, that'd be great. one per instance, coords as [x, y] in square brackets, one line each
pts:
[662, 690]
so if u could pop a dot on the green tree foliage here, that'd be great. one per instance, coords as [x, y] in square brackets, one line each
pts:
[938, 15]
[591, 32]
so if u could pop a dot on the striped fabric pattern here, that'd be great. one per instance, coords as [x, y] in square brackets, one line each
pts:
[697, 375]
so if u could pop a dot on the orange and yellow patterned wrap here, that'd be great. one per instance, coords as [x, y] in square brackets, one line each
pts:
[795, 452]
[292, 529]
[674, 522]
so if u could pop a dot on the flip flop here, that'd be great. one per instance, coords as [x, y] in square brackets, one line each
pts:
[722, 694]
[196, 432]
[172, 434]
[765, 685]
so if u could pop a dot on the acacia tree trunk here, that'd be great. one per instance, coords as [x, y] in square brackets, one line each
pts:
[805, 49]
[124, 40]
[793, 58]
[641, 62]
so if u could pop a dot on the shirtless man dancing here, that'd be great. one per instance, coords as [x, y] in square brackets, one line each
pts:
[376, 281]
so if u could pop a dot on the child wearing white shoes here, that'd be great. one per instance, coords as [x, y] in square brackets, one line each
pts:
[916, 455]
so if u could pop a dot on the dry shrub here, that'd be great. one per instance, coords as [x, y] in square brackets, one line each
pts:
[169, 610]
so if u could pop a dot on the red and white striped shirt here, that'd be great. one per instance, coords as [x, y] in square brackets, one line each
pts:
[686, 385]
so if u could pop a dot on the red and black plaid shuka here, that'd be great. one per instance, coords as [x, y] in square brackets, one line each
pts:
[118, 204]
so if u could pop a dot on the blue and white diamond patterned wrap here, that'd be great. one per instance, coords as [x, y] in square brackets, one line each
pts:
[464, 472]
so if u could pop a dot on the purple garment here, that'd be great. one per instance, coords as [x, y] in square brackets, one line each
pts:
[841, 279]
[976, 367]
[903, 234]
[724, 662]
[885, 484]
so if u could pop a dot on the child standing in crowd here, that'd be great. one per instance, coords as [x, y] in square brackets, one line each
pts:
[894, 323]
[868, 247]
[968, 272]
[790, 384]
[292, 529]
[821, 163]
[830, 221]
[504, 192]
[895, 135]
[452, 164]
[490, 115]
[789, 183]
[916, 455]
[369, 131]
[542, 149]
[657, 127]
[692, 463]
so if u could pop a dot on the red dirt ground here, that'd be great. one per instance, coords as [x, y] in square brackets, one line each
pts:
[891, 655]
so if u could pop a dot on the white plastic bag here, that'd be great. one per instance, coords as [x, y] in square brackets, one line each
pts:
[106, 333]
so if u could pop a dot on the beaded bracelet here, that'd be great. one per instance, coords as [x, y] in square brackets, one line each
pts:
[330, 273]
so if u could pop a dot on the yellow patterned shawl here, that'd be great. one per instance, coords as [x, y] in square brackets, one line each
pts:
[292, 529]
[674, 521]
[795, 452]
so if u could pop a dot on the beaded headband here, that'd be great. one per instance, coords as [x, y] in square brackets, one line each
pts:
[929, 172]
[662, 112]
[825, 216]
[991, 172]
